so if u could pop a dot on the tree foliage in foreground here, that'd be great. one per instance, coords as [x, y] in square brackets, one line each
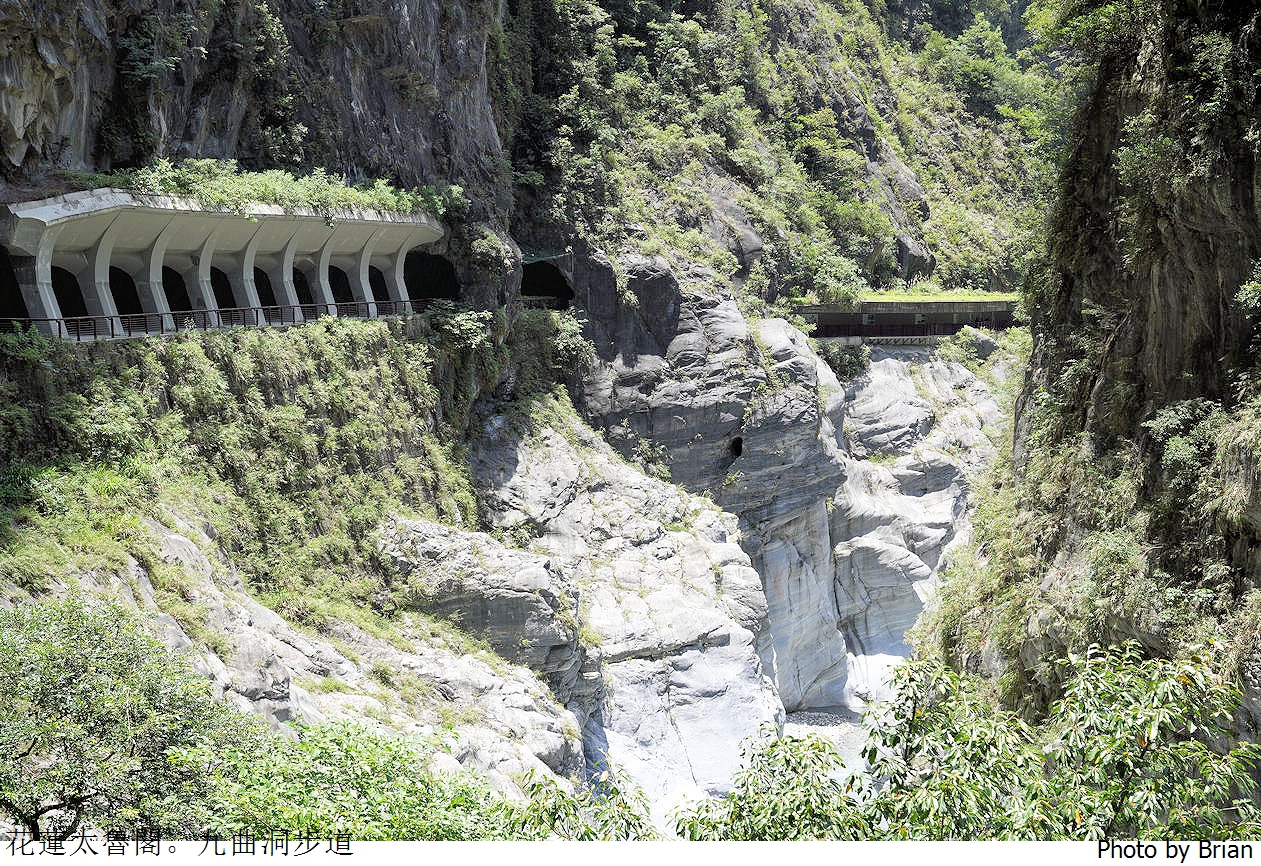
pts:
[345, 778]
[99, 724]
[1132, 750]
[609, 807]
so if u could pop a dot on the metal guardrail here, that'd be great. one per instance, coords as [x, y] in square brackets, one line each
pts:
[81, 328]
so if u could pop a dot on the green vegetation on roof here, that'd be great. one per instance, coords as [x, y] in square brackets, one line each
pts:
[962, 295]
[220, 184]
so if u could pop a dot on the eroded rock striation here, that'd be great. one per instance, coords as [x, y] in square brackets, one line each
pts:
[669, 602]
[849, 494]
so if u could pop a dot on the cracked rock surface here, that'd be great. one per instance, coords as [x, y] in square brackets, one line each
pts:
[672, 604]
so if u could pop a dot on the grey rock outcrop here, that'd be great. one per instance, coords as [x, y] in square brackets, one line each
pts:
[520, 603]
[671, 601]
[849, 495]
[399, 91]
[505, 721]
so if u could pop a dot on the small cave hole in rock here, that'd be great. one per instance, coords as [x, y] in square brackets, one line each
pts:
[430, 277]
[737, 446]
[69, 297]
[12, 305]
[543, 284]
[262, 285]
[176, 291]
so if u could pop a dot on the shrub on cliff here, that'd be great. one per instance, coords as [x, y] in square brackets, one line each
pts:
[346, 778]
[220, 184]
[103, 728]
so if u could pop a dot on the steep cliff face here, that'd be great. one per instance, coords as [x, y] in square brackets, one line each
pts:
[809, 164]
[1157, 223]
[379, 89]
[1156, 232]
[611, 618]
[745, 411]
[671, 183]
[1135, 436]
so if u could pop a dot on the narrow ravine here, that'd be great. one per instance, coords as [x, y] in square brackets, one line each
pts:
[919, 425]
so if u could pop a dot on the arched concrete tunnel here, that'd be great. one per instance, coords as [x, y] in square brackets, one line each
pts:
[133, 261]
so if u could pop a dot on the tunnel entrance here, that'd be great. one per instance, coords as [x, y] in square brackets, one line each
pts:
[176, 292]
[219, 284]
[262, 285]
[376, 281]
[69, 298]
[122, 289]
[225, 299]
[543, 285]
[430, 277]
[302, 288]
[737, 446]
[345, 298]
[272, 313]
[12, 305]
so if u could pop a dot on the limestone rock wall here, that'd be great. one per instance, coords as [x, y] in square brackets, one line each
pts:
[505, 720]
[384, 88]
[670, 608]
[849, 494]
[1138, 309]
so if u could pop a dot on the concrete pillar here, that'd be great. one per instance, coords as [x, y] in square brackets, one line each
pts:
[320, 286]
[197, 281]
[244, 273]
[35, 277]
[360, 281]
[94, 280]
[281, 277]
[395, 283]
[149, 280]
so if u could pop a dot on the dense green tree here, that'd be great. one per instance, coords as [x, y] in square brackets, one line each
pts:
[346, 778]
[101, 725]
[609, 807]
[1134, 748]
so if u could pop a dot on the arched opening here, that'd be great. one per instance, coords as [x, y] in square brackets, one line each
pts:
[376, 281]
[69, 298]
[222, 287]
[12, 305]
[546, 285]
[302, 288]
[225, 299]
[345, 298]
[262, 285]
[127, 300]
[176, 291]
[737, 446]
[430, 277]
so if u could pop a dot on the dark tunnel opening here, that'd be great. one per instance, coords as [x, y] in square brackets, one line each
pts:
[69, 297]
[545, 285]
[12, 304]
[430, 277]
[176, 291]
[262, 285]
